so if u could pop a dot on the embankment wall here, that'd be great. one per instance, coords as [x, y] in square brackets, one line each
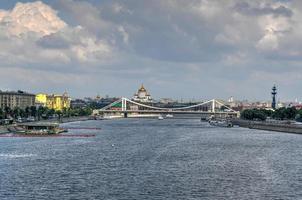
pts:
[282, 126]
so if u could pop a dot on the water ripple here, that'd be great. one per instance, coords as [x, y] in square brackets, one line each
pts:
[151, 159]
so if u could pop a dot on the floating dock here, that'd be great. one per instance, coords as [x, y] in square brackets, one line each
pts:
[54, 135]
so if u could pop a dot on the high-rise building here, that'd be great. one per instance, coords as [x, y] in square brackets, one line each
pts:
[53, 101]
[19, 99]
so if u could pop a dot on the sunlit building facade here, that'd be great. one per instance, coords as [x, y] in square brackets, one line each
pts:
[53, 101]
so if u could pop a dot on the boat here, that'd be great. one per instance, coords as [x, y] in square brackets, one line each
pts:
[37, 129]
[100, 118]
[169, 116]
[112, 117]
[160, 117]
[221, 123]
[95, 117]
[92, 117]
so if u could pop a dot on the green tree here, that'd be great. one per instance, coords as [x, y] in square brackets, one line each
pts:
[50, 112]
[27, 111]
[66, 112]
[59, 113]
[33, 111]
[254, 114]
[16, 112]
[290, 113]
[42, 112]
[7, 112]
[1, 114]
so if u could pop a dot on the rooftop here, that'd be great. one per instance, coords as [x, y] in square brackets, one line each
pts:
[19, 92]
[39, 124]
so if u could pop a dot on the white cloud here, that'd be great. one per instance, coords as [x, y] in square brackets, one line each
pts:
[34, 17]
[274, 28]
[3, 13]
[124, 34]
[90, 49]
[209, 8]
[119, 8]
[33, 34]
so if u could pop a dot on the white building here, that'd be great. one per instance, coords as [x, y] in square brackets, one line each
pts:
[142, 95]
[17, 99]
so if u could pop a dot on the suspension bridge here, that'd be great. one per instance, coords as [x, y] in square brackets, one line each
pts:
[125, 107]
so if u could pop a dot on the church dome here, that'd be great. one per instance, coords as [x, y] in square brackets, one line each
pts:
[142, 89]
[142, 95]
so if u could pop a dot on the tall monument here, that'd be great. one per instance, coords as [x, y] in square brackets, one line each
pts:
[274, 93]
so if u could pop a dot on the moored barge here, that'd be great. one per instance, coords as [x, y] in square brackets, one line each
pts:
[37, 129]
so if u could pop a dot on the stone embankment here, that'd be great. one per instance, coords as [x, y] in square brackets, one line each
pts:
[280, 126]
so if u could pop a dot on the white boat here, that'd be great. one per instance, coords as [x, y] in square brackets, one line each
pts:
[221, 123]
[160, 117]
[169, 116]
[112, 116]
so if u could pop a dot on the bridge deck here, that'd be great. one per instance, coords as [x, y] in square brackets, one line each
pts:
[166, 112]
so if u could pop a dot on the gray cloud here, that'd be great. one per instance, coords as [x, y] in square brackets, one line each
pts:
[197, 48]
[247, 9]
[53, 41]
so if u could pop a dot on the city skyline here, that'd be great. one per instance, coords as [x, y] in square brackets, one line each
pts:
[178, 49]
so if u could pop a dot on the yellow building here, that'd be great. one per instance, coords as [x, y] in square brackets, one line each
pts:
[41, 99]
[53, 101]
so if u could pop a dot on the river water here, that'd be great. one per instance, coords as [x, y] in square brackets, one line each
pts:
[152, 159]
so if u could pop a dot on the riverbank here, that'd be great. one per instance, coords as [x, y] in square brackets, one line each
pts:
[3, 130]
[282, 126]
[66, 119]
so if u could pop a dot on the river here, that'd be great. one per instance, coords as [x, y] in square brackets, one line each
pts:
[152, 159]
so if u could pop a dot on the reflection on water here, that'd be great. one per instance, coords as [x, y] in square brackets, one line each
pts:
[151, 159]
[2, 155]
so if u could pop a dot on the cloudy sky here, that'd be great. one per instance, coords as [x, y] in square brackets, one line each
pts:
[178, 48]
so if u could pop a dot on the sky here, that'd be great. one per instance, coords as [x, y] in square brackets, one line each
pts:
[183, 49]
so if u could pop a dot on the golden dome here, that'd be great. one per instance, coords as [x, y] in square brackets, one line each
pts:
[142, 89]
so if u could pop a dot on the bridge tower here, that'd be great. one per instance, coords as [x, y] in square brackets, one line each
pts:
[213, 106]
[274, 93]
[124, 107]
[124, 104]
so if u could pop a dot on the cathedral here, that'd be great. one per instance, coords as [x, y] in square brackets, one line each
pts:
[142, 95]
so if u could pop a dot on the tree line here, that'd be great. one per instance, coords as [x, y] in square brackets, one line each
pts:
[42, 112]
[289, 113]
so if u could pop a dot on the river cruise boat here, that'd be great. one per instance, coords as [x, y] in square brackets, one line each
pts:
[37, 129]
